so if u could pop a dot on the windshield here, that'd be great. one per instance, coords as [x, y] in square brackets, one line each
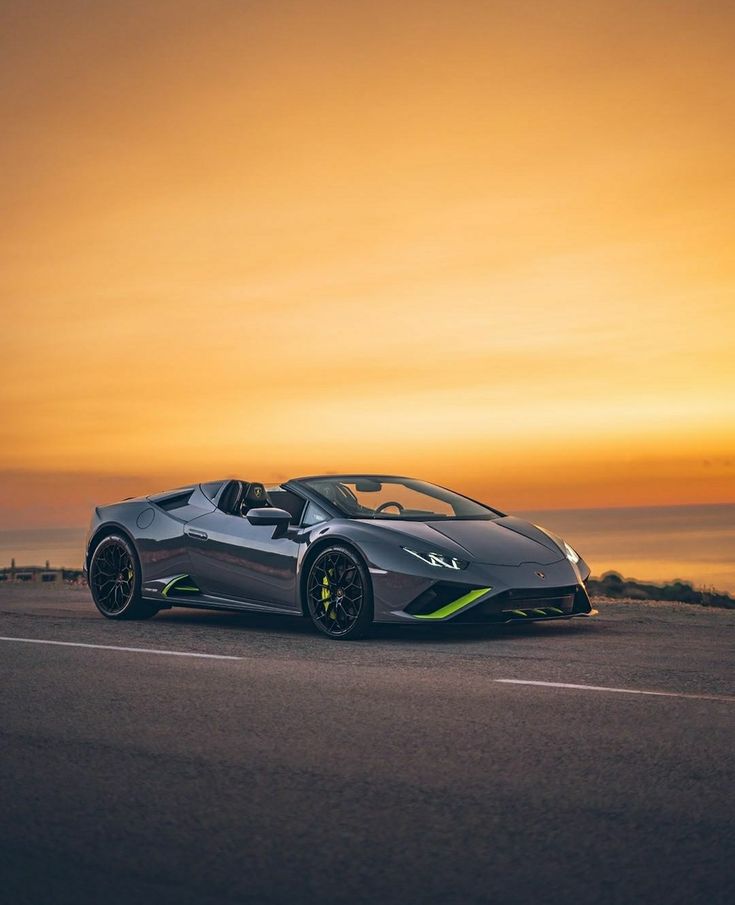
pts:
[395, 498]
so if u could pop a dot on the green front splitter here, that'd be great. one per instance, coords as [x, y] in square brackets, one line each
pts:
[456, 605]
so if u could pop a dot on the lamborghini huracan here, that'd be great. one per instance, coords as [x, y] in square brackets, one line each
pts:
[345, 551]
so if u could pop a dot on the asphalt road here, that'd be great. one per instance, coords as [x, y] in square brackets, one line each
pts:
[397, 770]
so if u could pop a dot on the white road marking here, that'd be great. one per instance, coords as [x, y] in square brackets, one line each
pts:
[130, 650]
[661, 694]
[185, 653]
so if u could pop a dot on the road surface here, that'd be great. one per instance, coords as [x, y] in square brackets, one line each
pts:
[204, 757]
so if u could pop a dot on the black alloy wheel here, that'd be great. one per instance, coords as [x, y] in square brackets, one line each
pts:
[114, 580]
[339, 594]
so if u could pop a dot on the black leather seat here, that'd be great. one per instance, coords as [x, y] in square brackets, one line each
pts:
[253, 497]
[231, 497]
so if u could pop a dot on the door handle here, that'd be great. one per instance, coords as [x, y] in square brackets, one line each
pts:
[195, 532]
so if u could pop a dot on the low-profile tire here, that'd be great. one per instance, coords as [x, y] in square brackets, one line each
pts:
[114, 580]
[339, 594]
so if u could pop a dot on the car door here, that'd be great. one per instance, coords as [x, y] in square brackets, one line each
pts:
[232, 558]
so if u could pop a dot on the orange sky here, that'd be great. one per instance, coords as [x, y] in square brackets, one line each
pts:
[490, 244]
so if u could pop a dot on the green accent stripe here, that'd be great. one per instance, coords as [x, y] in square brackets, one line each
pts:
[174, 586]
[456, 605]
[164, 592]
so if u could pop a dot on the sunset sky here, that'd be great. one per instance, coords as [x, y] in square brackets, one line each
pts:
[488, 244]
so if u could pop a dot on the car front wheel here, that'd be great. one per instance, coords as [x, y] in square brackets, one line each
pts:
[339, 594]
[114, 580]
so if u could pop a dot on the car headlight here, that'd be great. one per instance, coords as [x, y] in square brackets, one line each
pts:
[571, 553]
[441, 560]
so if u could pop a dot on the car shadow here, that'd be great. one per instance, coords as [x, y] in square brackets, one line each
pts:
[469, 634]
[465, 633]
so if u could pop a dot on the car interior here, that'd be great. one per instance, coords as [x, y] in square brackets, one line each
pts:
[291, 502]
[239, 497]
[354, 498]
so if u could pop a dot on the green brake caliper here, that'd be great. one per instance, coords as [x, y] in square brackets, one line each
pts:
[327, 596]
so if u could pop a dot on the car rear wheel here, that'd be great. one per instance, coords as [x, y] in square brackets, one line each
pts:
[339, 595]
[114, 580]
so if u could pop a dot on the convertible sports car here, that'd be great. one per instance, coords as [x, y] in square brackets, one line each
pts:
[344, 550]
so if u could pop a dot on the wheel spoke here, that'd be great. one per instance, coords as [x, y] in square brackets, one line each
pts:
[112, 578]
[335, 592]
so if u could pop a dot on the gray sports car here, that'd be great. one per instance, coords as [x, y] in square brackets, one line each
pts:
[345, 550]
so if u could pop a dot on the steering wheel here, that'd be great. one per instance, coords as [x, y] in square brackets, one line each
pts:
[385, 505]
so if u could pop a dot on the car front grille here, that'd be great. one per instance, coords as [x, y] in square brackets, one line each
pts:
[529, 603]
[437, 596]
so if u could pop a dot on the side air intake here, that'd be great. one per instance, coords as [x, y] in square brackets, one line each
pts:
[181, 586]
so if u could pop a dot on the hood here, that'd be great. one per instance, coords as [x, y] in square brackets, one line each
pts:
[505, 541]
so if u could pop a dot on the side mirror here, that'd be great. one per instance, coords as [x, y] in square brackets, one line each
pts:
[269, 516]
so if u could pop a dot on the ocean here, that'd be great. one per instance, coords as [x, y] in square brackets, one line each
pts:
[693, 543]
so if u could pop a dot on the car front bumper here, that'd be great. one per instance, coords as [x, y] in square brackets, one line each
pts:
[482, 594]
